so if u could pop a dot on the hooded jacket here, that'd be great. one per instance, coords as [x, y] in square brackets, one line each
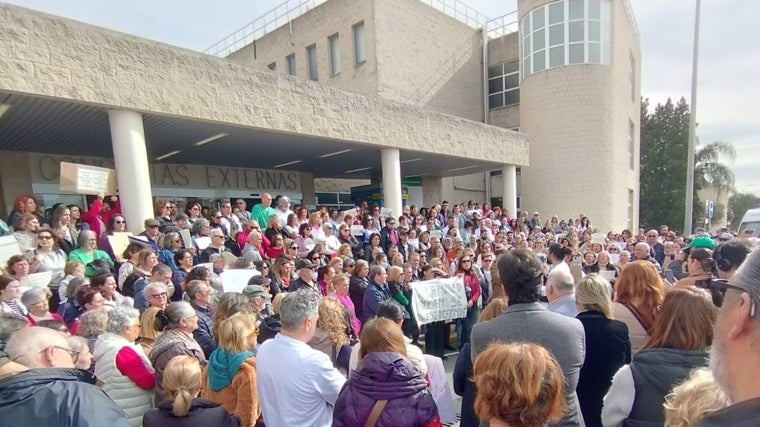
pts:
[239, 396]
[56, 397]
[385, 376]
[167, 345]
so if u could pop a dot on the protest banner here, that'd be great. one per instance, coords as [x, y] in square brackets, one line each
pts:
[236, 280]
[86, 179]
[357, 230]
[439, 299]
[187, 241]
[119, 242]
[202, 242]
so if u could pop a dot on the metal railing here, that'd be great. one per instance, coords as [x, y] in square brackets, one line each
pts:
[632, 20]
[291, 9]
[502, 25]
[280, 15]
[460, 11]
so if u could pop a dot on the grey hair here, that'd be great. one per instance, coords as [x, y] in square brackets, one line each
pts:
[194, 288]
[296, 307]
[93, 323]
[78, 343]
[216, 232]
[120, 317]
[177, 311]
[84, 237]
[169, 238]
[9, 324]
[748, 274]
[643, 245]
[199, 224]
[151, 286]
[32, 295]
[561, 280]
[74, 285]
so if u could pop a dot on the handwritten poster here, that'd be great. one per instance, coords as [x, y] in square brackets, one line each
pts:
[86, 179]
[439, 299]
[119, 242]
[236, 280]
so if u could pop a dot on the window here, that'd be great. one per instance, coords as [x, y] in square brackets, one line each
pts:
[334, 44]
[311, 57]
[632, 75]
[290, 60]
[566, 32]
[360, 56]
[631, 144]
[504, 84]
[629, 221]
[272, 66]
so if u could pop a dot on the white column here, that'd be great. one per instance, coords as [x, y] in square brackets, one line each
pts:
[391, 180]
[509, 188]
[132, 174]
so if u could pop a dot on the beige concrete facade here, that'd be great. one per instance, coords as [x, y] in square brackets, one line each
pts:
[578, 118]
[501, 50]
[47, 56]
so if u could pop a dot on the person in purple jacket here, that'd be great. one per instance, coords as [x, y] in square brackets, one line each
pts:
[385, 384]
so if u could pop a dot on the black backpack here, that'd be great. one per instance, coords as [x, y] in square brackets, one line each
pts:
[128, 287]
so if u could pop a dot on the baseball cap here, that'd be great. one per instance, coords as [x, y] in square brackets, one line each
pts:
[304, 263]
[252, 291]
[701, 242]
[259, 280]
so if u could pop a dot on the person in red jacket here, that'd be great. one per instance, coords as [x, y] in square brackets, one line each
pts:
[100, 212]
[472, 292]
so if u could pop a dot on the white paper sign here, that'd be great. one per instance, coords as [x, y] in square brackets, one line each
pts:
[386, 212]
[436, 234]
[599, 238]
[236, 280]
[92, 181]
[202, 242]
[439, 299]
[187, 241]
[119, 242]
[39, 280]
[8, 247]
[415, 243]
[607, 274]
[614, 258]
[357, 230]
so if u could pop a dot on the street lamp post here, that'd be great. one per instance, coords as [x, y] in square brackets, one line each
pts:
[692, 129]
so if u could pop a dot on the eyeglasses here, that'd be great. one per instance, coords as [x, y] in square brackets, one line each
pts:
[293, 247]
[161, 295]
[651, 235]
[120, 222]
[254, 228]
[45, 237]
[466, 261]
[73, 353]
[487, 260]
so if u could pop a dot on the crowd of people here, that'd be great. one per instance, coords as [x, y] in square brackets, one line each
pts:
[564, 324]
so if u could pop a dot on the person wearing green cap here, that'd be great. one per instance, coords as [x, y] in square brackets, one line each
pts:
[699, 241]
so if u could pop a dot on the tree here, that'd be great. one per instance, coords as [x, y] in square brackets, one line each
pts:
[664, 147]
[738, 204]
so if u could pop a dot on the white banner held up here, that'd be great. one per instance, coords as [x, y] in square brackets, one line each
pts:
[438, 299]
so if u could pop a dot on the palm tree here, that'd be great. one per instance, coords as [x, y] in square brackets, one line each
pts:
[710, 172]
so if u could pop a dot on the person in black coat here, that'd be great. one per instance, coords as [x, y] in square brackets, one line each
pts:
[182, 383]
[607, 346]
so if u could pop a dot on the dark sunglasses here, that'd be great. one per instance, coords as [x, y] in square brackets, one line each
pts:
[718, 288]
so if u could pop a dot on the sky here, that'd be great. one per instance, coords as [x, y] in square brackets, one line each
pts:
[727, 106]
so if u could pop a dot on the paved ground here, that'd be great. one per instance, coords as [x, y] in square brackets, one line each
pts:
[449, 366]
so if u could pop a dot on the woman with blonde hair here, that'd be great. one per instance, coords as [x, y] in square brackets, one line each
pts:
[463, 386]
[519, 384]
[340, 284]
[182, 382]
[682, 332]
[330, 336]
[384, 383]
[639, 291]
[694, 398]
[608, 347]
[230, 378]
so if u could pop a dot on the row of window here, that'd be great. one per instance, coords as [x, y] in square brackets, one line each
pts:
[566, 32]
[504, 84]
[333, 47]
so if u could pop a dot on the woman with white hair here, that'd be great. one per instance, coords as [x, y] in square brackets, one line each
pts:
[157, 297]
[127, 375]
[36, 302]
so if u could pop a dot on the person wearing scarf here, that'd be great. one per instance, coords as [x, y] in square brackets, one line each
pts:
[230, 380]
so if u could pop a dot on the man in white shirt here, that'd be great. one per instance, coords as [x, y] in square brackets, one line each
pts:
[301, 385]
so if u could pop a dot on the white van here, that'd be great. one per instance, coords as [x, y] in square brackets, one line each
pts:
[751, 221]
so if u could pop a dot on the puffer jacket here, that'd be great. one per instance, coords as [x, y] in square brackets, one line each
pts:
[129, 396]
[386, 376]
[26, 399]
